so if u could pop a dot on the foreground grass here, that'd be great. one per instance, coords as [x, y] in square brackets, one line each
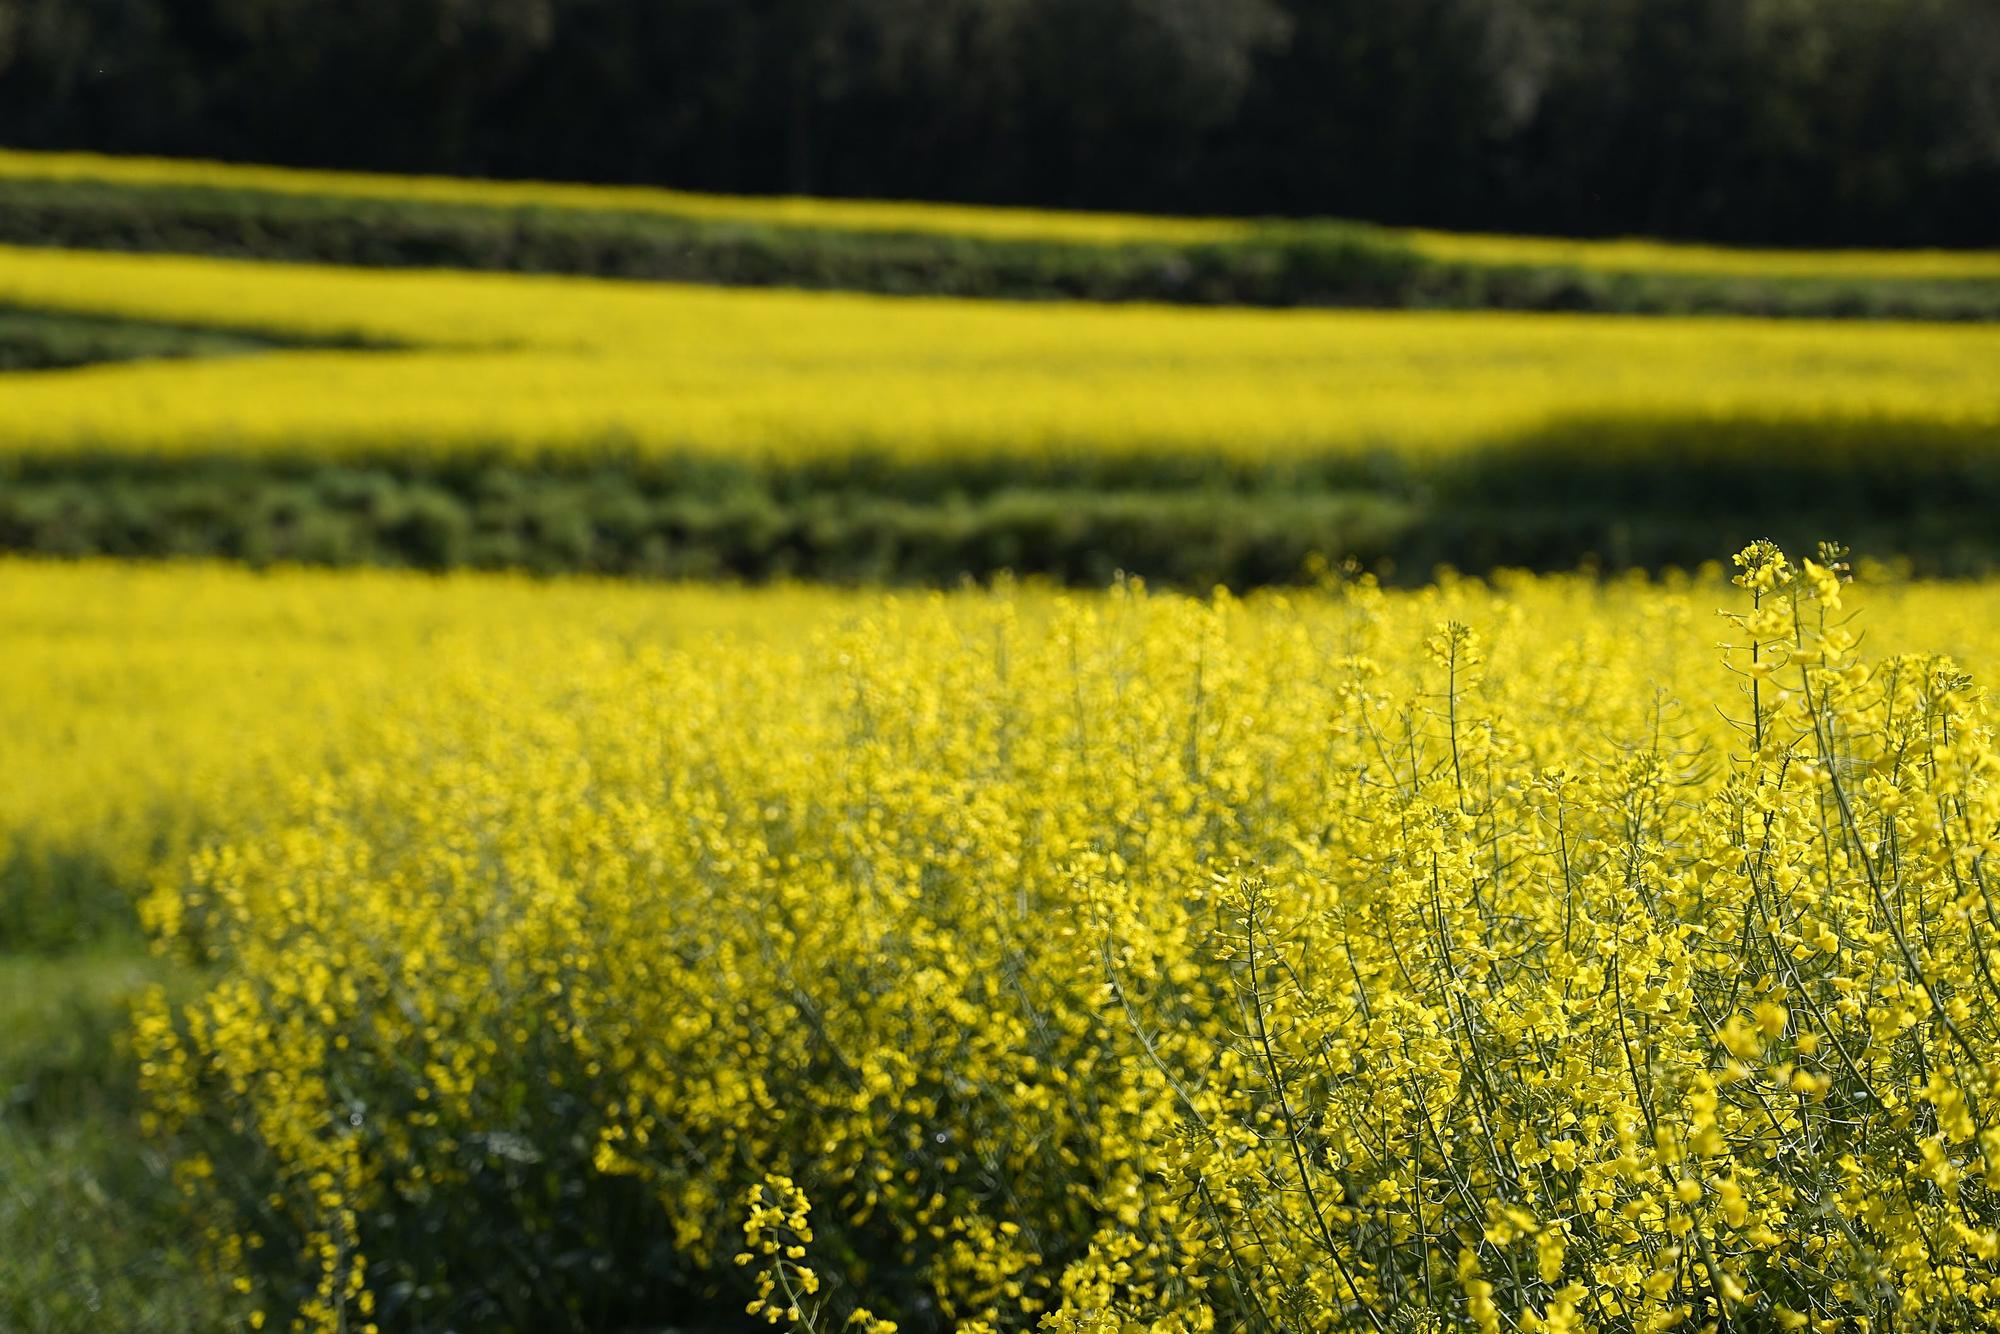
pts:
[94, 1234]
[276, 213]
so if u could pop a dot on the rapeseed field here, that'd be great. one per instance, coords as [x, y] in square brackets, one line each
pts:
[1269, 948]
[574, 371]
[1542, 953]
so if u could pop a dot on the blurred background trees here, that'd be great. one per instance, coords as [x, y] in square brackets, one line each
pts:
[1804, 121]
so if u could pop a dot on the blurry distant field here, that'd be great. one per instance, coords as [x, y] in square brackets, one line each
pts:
[262, 387]
[336, 415]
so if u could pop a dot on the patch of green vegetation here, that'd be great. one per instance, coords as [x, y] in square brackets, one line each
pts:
[41, 340]
[1327, 263]
[1182, 527]
[34, 340]
[626, 523]
[94, 1235]
[55, 898]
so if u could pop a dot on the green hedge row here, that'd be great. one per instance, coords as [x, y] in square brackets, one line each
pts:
[621, 522]
[1293, 264]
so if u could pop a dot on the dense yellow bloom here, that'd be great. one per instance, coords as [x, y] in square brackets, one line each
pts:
[533, 367]
[1502, 954]
[142, 707]
[985, 222]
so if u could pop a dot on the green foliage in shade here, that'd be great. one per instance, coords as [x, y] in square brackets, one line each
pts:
[1176, 528]
[33, 340]
[55, 897]
[44, 340]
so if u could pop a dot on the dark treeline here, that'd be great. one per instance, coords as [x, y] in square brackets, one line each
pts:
[1784, 121]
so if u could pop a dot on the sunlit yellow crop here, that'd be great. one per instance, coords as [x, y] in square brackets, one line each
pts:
[142, 708]
[540, 367]
[1538, 955]
[1626, 256]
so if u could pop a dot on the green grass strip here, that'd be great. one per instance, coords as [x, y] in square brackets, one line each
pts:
[735, 525]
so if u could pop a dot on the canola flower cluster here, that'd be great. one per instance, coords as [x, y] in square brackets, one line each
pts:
[1492, 956]
[987, 223]
[574, 371]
